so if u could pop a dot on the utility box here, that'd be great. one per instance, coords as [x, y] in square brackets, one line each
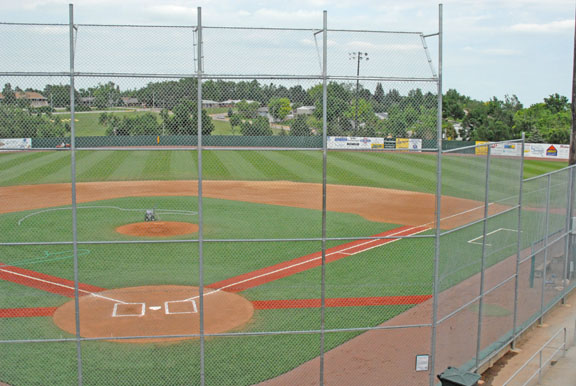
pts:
[453, 376]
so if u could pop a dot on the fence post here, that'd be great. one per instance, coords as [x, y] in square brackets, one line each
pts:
[74, 203]
[438, 214]
[324, 179]
[518, 242]
[483, 263]
[200, 201]
[566, 273]
[544, 268]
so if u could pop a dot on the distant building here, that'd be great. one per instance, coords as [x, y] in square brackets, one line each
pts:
[234, 102]
[130, 101]
[382, 116]
[207, 103]
[263, 112]
[305, 110]
[87, 101]
[35, 99]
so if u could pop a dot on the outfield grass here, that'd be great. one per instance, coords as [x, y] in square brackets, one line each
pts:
[462, 176]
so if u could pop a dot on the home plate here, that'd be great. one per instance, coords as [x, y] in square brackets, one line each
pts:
[155, 308]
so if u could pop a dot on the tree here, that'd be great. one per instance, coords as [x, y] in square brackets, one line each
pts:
[235, 121]
[9, 95]
[300, 127]
[379, 93]
[279, 108]
[185, 120]
[258, 127]
[106, 95]
[247, 110]
[557, 103]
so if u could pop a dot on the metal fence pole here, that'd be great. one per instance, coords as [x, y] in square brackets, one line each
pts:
[74, 203]
[518, 242]
[565, 274]
[483, 263]
[544, 268]
[324, 178]
[200, 203]
[438, 214]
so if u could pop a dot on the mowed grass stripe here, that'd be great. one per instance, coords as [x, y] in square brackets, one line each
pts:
[534, 168]
[55, 162]
[272, 171]
[105, 165]
[238, 166]
[396, 167]
[11, 160]
[297, 168]
[131, 167]
[344, 167]
[213, 166]
[62, 174]
[157, 165]
[9, 175]
[184, 165]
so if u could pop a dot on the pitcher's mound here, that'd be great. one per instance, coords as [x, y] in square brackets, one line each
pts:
[158, 228]
[154, 310]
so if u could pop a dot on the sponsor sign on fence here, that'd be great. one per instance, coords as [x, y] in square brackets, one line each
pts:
[15, 143]
[535, 150]
[409, 143]
[355, 143]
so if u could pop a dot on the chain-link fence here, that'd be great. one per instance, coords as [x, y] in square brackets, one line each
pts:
[218, 205]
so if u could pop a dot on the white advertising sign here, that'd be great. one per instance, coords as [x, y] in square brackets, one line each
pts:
[15, 143]
[360, 143]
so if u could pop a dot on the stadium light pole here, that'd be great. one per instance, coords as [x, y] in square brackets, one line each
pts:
[357, 56]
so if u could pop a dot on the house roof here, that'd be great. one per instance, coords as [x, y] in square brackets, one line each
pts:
[26, 95]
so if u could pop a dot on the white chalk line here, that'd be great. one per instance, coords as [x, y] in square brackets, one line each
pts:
[383, 242]
[62, 285]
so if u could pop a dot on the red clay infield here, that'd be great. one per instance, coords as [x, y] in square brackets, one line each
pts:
[154, 310]
[158, 229]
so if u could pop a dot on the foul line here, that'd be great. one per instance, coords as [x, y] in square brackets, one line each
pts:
[304, 263]
[52, 284]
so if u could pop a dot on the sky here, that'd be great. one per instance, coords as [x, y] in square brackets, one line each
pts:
[492, 48]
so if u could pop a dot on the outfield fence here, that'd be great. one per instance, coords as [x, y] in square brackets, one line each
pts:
[186, 223]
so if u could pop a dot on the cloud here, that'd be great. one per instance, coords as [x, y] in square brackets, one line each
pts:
[552, 27]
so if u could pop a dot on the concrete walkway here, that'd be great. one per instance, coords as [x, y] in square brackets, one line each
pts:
[563, 370]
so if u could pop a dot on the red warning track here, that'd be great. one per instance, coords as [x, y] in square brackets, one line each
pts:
[41, 281]
[340, 302]
[304, 263]
[26, 312]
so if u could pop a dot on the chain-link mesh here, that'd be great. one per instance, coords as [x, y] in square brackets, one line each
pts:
[220, 205]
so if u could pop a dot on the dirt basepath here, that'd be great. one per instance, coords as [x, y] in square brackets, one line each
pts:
[374, 204]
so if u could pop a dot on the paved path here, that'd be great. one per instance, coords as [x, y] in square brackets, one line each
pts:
[563, 373]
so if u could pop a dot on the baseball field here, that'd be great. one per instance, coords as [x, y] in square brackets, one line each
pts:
[261, 258]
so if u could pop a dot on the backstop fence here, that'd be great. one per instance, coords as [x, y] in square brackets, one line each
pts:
[230, 205]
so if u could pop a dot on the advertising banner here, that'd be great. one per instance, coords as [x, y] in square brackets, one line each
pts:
[546, 150]
[15, 143]
[534, 150]
[409, 143]
[359, 143]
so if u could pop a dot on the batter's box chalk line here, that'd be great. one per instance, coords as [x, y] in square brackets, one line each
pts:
[129, 309]
[187, 306]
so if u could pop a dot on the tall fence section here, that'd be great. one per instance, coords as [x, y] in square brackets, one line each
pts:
[230, 205]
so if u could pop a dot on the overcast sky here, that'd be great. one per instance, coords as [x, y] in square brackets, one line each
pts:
[491, 47]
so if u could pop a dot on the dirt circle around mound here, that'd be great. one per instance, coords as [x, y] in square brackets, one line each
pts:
[154, 310]
[158, 229]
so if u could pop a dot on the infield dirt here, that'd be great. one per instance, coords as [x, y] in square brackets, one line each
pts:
[374, 204]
